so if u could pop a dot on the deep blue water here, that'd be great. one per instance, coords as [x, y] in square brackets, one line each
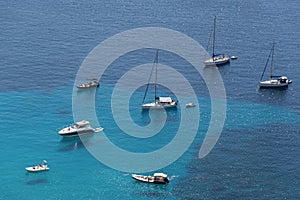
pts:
[42, 47]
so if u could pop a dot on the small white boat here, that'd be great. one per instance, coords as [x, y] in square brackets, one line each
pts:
[96, 130]
[233, 57]
[189, 105]
[157, 178]
[38, 168]
[77, 128]
[88, 85]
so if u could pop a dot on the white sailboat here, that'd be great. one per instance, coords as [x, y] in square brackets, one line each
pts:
[159, 102]
[216, 59]
[274, 81]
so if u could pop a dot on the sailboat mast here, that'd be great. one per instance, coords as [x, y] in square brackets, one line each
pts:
[146, 91]
[214, 37]
[273, 48]
[156, 63]
[262, 75]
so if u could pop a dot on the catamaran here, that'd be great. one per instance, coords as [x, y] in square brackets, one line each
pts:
[159, 102]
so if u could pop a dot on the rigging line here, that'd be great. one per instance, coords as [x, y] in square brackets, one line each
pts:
[149, 82]
[266, 64]
[208, 44]
[273, 48]
[214, 37]
[156, 63]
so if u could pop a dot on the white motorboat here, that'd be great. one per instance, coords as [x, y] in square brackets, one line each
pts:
[157, 178]
[274, 81]
[77, 128]
[88, 85]
[159, 102]
[216, 59]
[233, 57]
[38, 168]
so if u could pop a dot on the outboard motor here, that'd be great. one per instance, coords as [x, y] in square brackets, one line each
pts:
[166, 180]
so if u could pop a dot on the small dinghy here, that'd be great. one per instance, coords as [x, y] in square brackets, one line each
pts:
[96, 130]
[38, 168]
[189, 105]
[233, 57]
[88, 85]
[157, 178]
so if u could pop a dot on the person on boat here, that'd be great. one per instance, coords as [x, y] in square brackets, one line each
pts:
[33, 167]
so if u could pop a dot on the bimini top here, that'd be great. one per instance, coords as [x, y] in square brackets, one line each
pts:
[165, 99]
[160, 174]
[82, 123]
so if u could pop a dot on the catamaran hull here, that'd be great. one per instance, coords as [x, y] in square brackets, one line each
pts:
[158, 106]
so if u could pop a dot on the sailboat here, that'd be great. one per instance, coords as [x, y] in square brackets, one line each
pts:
[159, 102]
[275, 81]
[216, 59]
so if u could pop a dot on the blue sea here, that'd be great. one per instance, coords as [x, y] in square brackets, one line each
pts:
[43, 45]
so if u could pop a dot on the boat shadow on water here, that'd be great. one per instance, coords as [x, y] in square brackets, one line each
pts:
[75, 142]
[158, 195]
[273, 95]
[172, 114]
[36, 181]
[222, 68]
[36, 178]
[271, 90]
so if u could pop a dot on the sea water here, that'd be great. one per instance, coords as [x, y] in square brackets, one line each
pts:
[43, 45]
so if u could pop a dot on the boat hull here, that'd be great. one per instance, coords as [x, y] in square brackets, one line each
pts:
[217, 61]
[88, 85]
[81, 127]
[37, 168]
[277, 83]
[270, 85]
[76, 133]
[156, 105]
[150, 179]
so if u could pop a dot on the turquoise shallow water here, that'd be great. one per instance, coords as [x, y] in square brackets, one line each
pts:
[44, 43]
[72, 168]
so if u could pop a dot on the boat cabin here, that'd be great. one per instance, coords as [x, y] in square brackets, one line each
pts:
[165, 100]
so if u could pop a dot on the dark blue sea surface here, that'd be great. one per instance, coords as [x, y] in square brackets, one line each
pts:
[44, 43]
